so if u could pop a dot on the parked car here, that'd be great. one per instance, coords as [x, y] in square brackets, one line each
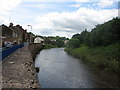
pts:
[8, 44]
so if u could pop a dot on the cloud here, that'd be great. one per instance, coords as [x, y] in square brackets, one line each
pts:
[67, 0]
[3, 20]
[6, 5]
[57, 0]
[63, 23]
[76, 5]
[73, 22]
[83, 0]
[106, 3]
[40, 6]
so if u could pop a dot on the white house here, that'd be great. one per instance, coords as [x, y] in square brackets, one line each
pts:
[38, 40]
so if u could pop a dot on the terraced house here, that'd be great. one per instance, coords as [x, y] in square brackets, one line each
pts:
[13, 35]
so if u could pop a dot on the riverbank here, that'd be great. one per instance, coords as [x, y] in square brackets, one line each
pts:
[70, 72]
[105, 58]
[18, 70]
[34, 49]
[106, 70]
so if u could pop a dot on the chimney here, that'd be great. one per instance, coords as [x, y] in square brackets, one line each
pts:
[11, 25]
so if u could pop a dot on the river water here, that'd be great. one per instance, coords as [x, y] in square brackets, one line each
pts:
[60, 70]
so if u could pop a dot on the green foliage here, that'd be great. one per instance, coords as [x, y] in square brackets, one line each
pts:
[47, 46]
[76, 36]
[59, 43]
[81, 37]
[106, 34]
[100, 47]
[107, 58]
[102, 35]
[74, 43]
[55, 41]
[112, 52]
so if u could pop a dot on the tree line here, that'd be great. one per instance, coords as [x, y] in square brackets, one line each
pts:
[102, 35]
[54, 41]
[100, 47]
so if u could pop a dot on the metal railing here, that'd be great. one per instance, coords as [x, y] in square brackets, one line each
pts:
[10, 50]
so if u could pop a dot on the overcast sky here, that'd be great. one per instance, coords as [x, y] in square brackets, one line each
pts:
[57, 17]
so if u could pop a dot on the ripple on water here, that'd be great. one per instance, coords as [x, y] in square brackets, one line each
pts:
[60, 70]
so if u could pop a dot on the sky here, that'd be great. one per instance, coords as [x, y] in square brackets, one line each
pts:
[57, 17]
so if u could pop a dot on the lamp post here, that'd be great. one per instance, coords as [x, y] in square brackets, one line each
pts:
[31, 32]
[30, 27]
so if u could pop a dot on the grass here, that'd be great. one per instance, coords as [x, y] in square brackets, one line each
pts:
[107, 58]
[47, 46]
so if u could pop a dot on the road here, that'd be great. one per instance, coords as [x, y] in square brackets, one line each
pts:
[60, 70]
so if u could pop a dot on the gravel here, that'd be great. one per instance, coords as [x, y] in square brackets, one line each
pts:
[18, 70]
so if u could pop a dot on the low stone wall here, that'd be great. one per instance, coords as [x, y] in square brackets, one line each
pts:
[18, 70]
[34, 49]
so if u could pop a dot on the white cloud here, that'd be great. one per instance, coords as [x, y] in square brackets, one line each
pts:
[56, 23]
[76, 5]
[67, 23]
[3, 20]
[67, 0]
[41, 6]
[105, 3]
[83, 0]
[8, 4]
[57, 0]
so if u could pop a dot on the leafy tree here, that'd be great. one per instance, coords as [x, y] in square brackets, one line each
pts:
[74, 43]
[59, 43]
[102, 35]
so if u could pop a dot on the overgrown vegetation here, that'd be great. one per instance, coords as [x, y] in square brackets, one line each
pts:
[54, 42]
[100, 47]
[47, 46]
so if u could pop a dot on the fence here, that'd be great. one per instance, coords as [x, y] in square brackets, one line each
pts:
[10, 50]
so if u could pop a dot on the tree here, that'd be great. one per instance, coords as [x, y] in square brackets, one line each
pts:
[74, 43]
[59, 43]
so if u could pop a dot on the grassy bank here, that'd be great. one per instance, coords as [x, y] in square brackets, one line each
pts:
[106, 58]
[47, 46]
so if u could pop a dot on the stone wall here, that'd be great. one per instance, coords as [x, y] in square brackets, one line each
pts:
[34, 49]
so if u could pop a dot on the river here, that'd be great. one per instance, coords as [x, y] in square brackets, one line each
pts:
[60, 70]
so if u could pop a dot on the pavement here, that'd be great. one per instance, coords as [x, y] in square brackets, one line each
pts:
[18, 70]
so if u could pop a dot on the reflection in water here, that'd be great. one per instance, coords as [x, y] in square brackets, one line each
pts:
[60, 70]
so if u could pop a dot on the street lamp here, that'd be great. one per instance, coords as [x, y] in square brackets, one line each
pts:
[30, 26]
[30, 34]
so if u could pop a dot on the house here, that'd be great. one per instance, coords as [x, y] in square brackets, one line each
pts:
[38, 40]
[31, 37]
[24, 34]
[66, 41]
[12, 34]
[17, 35]
[7, 35]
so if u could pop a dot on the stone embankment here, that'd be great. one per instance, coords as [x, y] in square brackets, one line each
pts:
[18, 70]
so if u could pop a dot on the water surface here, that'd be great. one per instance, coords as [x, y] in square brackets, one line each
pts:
[60, 70]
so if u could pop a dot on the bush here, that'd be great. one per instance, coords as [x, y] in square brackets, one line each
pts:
[107, 58]
[47, 46]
